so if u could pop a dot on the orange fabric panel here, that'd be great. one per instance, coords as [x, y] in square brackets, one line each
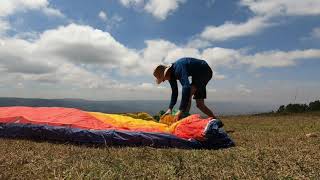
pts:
[191, 127]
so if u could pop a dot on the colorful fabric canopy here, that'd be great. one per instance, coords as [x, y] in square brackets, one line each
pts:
[74, 125]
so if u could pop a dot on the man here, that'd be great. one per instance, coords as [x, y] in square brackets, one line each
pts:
[201, 74]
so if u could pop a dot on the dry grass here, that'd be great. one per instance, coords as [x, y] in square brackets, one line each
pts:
[268, 147]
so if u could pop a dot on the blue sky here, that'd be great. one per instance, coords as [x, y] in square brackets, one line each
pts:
[261, 51]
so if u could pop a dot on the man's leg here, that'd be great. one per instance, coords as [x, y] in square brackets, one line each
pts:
[193, 90]
[204, 108]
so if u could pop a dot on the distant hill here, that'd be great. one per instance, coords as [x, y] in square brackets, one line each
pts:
[149, 106]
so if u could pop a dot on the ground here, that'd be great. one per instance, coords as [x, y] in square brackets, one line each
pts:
[267, 147]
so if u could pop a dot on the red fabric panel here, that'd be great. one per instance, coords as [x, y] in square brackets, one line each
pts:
[191, 127]
[53, 116]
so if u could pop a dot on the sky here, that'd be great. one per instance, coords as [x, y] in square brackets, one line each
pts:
[260, 50]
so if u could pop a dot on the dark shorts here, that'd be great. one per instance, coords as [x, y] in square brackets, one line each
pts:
[200, 82]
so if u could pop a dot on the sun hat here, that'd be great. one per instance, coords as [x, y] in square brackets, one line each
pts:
[160, 72]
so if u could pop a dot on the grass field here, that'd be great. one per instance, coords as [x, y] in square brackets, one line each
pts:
[267, 147]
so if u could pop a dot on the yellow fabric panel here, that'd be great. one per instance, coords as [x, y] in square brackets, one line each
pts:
[140, 115]
[126, 122]
[170, 121]
[173, 126]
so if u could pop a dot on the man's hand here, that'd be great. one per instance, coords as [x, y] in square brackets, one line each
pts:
[178, 116]
[169, 111]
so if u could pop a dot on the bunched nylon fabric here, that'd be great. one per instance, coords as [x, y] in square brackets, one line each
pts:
[69, 124]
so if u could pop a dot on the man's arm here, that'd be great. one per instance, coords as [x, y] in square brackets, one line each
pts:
[186, 91]
[174, 94]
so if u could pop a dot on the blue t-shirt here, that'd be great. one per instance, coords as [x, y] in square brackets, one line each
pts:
[181, 70]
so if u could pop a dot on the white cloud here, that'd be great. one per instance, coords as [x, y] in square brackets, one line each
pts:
[29, 36]
[114, 22]
[74, 56]
[242, 89]
[198, 43]
[53, 12]
[231, 30]
[283, 7]
[265, 11]
[210, 3]
[17, 56]
[161, 51]
[160, 9]
[103, 16]
[217, 76]
[148, 87]
[116, 18]
[165, 52]
[179, 52]
[70, 74]
[211, 90]
[111, 21]
[315, 33]
[155, 53]
[132, 3]
[4, 26]
[85, 45]
[279, 58]
[221, 56]
[61, 55]
[10, 7]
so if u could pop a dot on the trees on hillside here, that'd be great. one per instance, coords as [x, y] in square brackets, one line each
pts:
[298, 108]
[314, 106]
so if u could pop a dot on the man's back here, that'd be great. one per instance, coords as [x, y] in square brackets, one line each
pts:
[190, 66]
